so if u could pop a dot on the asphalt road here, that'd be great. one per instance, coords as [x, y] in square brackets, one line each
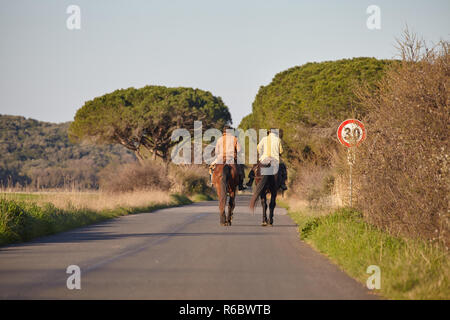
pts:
[177, 253]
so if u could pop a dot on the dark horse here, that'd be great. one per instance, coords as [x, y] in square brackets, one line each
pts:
[226, 179]
[265, 184]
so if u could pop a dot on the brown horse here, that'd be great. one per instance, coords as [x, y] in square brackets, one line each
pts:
[226, 179]
[265, 184]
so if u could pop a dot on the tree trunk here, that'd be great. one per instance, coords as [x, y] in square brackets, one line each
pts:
[166, 167]
[139, 156]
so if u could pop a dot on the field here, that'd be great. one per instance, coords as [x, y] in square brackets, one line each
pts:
[25, 216]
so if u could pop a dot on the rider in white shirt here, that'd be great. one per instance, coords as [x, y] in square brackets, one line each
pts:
[270, 149]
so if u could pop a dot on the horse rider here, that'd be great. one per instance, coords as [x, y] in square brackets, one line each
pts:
[227, 149]
[269, 149]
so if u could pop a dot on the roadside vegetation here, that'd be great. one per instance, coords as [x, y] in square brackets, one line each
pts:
[116, 162]
[400, 220]
[410, 268]
[126, 189]
[402, 170]
[24, 217]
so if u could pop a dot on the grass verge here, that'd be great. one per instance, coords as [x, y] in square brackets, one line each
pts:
[23, 220]
[410, 269]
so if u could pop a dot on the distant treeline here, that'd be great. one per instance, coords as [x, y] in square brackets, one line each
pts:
[39, 154]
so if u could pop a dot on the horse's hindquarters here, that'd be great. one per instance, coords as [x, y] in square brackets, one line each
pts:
[226, 179]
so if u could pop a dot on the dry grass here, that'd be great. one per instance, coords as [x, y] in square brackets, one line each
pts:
[296, 204]
[25, 216]
[95, 201]
[312, 185]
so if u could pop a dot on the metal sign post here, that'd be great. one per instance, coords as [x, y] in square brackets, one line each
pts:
[350, 133]
[351, 186]
[351, 161]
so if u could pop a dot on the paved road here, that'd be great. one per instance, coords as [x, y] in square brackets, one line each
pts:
[177, 253]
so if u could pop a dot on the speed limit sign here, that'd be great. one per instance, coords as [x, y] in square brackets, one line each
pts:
[351, 132]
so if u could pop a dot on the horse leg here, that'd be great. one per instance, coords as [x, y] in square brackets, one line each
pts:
[223, 218]
[222, 211]
[273, 203]
[230, 207]
[264, 208]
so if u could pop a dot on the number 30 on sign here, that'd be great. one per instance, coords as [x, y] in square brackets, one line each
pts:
[351, 132]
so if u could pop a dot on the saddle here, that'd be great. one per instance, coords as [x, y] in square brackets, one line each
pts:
[268, 163]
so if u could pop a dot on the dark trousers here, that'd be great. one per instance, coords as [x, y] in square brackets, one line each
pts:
[240, 168]
[282, 173]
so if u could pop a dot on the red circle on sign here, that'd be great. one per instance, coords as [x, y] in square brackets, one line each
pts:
[358, 124]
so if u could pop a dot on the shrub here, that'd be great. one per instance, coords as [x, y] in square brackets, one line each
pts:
[23, 220]
[12, 220]
[403, 167]
[312, 183]
[134, 176]
[190, 179]
[194, 184]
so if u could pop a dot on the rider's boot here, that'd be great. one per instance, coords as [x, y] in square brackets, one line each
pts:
[241, 178]
[283, 177]
[251, 177]
[241, 184]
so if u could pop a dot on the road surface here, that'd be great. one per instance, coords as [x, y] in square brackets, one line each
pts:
[176, 253]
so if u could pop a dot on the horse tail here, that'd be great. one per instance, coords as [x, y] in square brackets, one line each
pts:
[226, 176]
[258, 190]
